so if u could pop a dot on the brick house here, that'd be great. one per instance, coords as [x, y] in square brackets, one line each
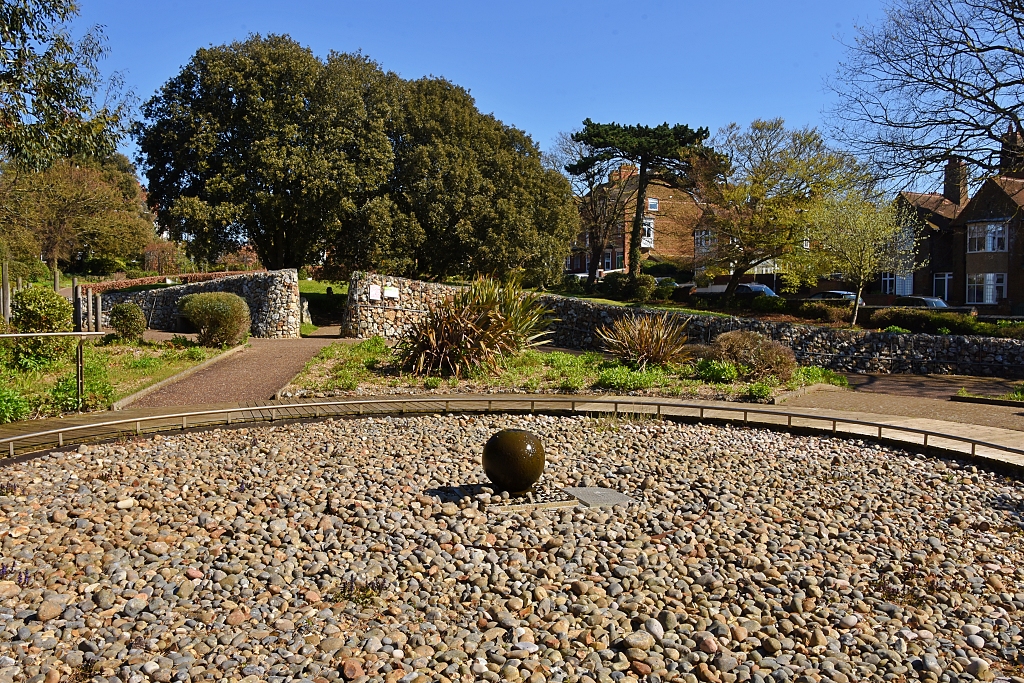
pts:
[975, 246]
[668, 234]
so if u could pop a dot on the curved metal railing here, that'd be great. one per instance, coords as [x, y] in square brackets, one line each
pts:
[106, 429]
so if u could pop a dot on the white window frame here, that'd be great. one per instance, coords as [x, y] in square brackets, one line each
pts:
[986, 237]
[986, 288]
[899, 285]
[607, 260]
[947, 285]
[703, 241]
[652, 204]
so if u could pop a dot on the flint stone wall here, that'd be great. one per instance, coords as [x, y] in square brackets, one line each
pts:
[838, 350]
[272, 296]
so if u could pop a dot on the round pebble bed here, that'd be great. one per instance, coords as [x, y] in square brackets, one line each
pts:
[372, 550]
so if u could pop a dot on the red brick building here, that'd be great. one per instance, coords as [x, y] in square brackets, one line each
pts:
[668, 233]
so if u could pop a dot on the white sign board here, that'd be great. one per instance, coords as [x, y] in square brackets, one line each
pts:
[391, 292]
[374, 292]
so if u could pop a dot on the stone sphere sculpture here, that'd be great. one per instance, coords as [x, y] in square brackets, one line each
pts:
[514, 460]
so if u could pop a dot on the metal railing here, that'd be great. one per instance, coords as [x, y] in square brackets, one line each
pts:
[414, 404]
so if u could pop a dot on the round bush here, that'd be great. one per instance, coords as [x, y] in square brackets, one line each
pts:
[756, 353]
[643, 289]
[40, 309]
[128, 321]
[219, 317]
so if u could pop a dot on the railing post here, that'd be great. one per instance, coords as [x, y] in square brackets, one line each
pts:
[926, 439]
[60, 439]
[789, 420]
[616, 404]
[10, 448]
[532, 404]
[80, 372]
[833, 426]
[138, 427]
[184, 421]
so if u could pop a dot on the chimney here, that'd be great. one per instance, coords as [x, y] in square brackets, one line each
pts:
[954, 187]
[1011, 154]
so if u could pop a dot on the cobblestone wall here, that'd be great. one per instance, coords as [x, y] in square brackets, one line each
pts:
[273, 299]
[839, 350]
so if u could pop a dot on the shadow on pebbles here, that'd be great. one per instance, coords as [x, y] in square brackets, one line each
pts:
[373, 550]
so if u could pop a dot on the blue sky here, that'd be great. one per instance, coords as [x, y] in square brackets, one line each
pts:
[540, 66]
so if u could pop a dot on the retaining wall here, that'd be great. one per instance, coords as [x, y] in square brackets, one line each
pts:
[273, 298]
[373, 309]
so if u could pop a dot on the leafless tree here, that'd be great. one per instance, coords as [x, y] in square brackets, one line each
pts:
[935, 79]
[602, 201]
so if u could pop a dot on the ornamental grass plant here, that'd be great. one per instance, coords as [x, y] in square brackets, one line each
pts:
[474, 329]
[646, 339]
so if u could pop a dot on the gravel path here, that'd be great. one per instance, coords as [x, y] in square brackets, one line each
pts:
[834, 398]
[251, 375]
[370, 550]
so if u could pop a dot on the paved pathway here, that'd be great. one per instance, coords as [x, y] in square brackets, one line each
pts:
[931, 386]
[254, 374]
[926, 404]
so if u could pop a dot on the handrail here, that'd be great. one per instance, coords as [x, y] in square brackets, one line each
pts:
[746, 410]
[14, 335]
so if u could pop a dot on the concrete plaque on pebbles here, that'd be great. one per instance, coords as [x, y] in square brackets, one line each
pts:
[364, 550]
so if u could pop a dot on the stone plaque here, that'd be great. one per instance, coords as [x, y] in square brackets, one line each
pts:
[596, 496]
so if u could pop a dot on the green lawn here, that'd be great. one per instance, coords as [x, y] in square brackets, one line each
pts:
[325, 309]
[370, 366]
[113, 371]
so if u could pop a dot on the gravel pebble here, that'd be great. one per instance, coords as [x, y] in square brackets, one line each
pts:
[374, 550]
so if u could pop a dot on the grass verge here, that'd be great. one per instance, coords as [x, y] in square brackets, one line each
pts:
[370, 367]
[113, 370]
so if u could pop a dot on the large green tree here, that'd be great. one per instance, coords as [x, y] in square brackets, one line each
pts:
[661, 152]
[261, 142]
[78, 212]
[758, 205]
[49, 85]
[475, 190]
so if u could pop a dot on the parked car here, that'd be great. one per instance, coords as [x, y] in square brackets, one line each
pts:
[752, 290]
[745, 292]
[835, 295]
[920, 302]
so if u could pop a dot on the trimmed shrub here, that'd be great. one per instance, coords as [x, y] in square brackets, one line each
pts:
[643, 339]
[220, 317]
[474, 330]
[614, 285]
[769, 304]
[643, 289]
[829, 313]
[933, 322]
[717, 371]
[760, 356]
[13, 406]
[40, 309]
[571, 284]
[663, 292]
[128, 321]
[896, 329]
